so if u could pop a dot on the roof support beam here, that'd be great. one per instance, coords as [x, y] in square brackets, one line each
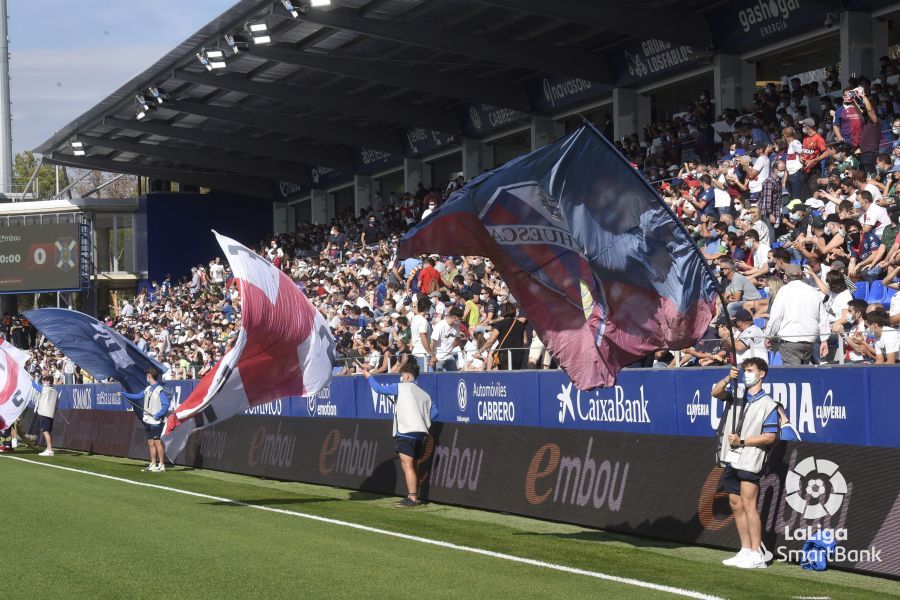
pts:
[274, 170]
[428, 80]
[317, 129]
[246, 186]
[408, 115]
[678, 26]
[547, 59]
[322, 157]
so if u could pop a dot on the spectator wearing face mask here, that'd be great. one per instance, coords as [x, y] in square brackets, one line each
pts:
[430, 209]
[815, 150]
[770, 193]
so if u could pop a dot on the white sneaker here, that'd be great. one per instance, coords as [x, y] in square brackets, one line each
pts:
[150, 467]
[734, 560]
[15, 443]
[752, 560]
[46, 453]
[160, 468]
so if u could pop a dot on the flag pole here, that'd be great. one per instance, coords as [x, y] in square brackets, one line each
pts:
[706, 266]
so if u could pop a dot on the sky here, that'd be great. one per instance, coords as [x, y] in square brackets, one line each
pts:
[67, 55]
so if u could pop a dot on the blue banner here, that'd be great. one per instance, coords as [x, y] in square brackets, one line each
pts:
[424, 141]
[745, 24]
[552, 93]
[836, 405]
[96, 348]
[645, 60]
[479, 120]
[488, 398]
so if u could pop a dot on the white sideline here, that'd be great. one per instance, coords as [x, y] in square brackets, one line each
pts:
[405, 536]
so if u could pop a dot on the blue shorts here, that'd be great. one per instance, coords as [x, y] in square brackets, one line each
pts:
[732, 478]
[410, 444]
[45, 424]
[153, 431]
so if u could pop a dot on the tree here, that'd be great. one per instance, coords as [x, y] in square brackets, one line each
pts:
[44, 185]
[114, 186]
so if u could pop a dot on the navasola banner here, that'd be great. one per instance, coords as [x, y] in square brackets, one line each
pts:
[658, 486]
[36, 258]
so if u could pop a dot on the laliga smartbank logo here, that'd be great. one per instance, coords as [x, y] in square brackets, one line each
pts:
[816, 489]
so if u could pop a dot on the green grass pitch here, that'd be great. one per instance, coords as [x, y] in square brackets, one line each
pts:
[73, 535]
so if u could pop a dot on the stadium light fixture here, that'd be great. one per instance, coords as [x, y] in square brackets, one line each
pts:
[211, 59]
[289, 6]
[143, 107]
[237, 43]
[158, 94]
[259, 32]
[319, 3]
[77, 147]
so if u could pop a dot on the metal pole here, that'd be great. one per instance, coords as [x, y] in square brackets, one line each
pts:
[56, 171]
[6, 156]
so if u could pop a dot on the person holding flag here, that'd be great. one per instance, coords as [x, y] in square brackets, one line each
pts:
[413, 414]
[45, 410]
[754, 430]
[155, 407]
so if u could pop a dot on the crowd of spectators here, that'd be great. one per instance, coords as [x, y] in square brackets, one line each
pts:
[792, 199]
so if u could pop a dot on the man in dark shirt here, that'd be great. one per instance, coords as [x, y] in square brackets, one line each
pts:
[371, 234]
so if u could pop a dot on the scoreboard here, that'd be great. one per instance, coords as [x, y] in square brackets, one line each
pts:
[37, 258]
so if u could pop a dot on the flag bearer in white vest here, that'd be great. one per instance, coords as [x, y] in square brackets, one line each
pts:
[413, 413]
[755, 423]
[45, 410]
[155, 406]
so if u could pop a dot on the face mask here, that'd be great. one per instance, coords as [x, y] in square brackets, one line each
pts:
[779, 173]
[896, 130]
[750, 379]
[823, 107]
[748, 243]
[737, 207]
[794, 218]
[855, 237]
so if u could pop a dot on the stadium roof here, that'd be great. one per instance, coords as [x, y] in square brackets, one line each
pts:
[358, 74]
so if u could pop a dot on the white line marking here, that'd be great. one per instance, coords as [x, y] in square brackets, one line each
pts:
[404, 536]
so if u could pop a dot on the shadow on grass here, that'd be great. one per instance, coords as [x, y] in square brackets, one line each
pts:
[606, 536]
[272, 501]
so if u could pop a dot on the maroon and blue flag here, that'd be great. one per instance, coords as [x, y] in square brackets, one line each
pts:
[599, 264]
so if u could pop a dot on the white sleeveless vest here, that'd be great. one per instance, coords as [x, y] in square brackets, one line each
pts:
[46, 403]
[152, 404]
[752, 458]
[412, 413]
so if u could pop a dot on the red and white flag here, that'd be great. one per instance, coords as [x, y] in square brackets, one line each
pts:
[284, 348]
[16, 389]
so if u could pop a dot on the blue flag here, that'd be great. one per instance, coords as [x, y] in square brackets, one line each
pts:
[97, 349]
[600, 265]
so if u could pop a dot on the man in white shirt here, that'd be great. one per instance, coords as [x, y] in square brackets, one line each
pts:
[887, 339]
[420, 328]
[127, 308]
[760, 253]
[445, 339]
[759, 172]
[217, 271]
[796, 178]
[798, 319]
[749, 340]
[874, 218]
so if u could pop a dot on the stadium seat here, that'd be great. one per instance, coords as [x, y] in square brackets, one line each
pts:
[776, 245]
[862, 290]
[888, 295]
[761, 323]
[876, 293]
[763, 293]
[775, 359]
[795, 261]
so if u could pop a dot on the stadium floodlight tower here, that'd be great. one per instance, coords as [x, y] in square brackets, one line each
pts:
[6, 157]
